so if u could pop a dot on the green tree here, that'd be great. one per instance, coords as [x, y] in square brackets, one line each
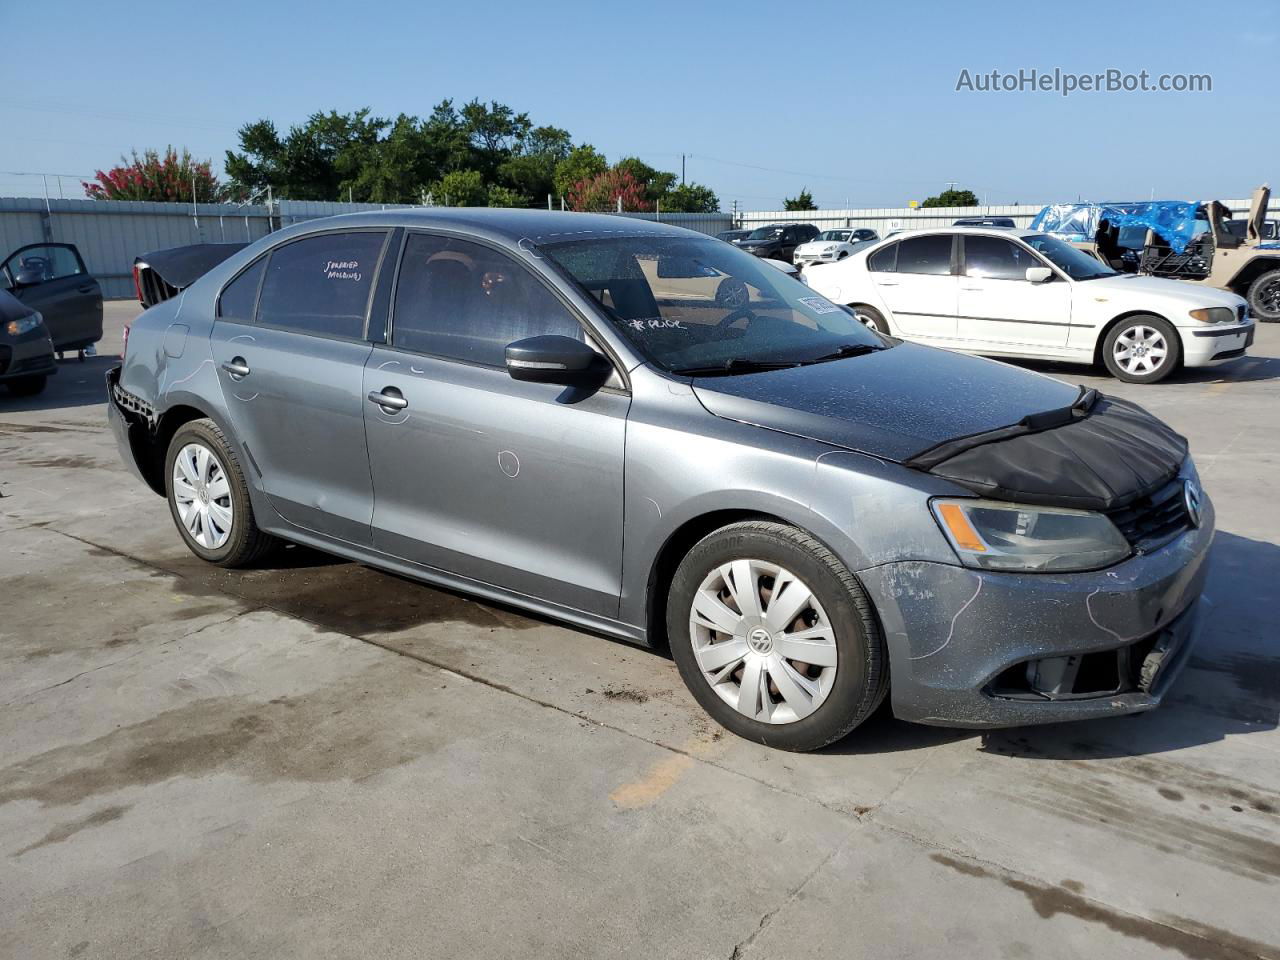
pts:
[500, 196]
[312, 161]
[532, 171]
[803, 202]
[689, 198]
[952, 198]
[152, 176]
[583, 163]
[460, 188]
[495, 132]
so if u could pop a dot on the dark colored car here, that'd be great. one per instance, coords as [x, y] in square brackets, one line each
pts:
[52, 278]
[655, 436]
[26, 352]
[778, 241]
[732, 236]
[984, 222]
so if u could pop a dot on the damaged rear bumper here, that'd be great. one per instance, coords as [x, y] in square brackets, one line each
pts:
[972, 648]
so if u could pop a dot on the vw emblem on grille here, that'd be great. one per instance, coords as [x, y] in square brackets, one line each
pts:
[1191, 497]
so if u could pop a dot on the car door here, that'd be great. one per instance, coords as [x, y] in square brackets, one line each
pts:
[509, 483]
[52, 278]
[916, 281]
[1000, 308]
[289, 343]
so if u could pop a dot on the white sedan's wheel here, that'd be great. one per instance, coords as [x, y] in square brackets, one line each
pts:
[202, 495]
[762, 641]
[1142, 349]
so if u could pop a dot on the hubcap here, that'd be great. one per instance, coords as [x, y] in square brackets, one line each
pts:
[202, 495]
[866, 320]
[1140, 349]
[1269, 296]
[762, 641]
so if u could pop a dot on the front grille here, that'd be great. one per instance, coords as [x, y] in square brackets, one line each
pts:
[1241, 310]
[1154, 520]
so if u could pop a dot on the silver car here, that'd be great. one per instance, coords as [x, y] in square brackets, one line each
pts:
[653, 435]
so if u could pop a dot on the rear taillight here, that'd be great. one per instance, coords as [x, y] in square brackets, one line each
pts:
[137, 288]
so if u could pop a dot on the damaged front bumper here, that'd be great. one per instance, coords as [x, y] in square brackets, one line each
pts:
[132, 420]
[972, 648]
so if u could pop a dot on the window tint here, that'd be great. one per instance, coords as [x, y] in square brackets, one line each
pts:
[996, 259]
[321, 285]
[465, 301]
[884, 260]
[240, 296]
[929, 254]
[42, 264]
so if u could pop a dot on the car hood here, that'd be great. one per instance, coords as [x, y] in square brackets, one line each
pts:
[891, 404]
[758, 243]
[817, 246]
[11, 308]
[1193, 295]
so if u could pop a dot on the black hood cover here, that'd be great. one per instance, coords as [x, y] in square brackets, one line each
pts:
[182, 266]
[1101, 453]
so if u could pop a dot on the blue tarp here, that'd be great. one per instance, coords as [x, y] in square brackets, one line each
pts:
[1174, 221]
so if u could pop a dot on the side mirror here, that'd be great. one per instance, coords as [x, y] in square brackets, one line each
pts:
[1039, 274]
[554, 359]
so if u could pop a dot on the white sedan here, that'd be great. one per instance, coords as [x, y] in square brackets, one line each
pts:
[833, 245]
[1017, 293]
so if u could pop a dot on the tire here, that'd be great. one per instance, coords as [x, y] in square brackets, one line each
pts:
[237, 544]
[1264, 297]
[1155, 336]
[870, 317]
[841, 687]
[28, 386]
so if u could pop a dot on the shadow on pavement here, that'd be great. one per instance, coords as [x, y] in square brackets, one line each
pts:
[78, 383]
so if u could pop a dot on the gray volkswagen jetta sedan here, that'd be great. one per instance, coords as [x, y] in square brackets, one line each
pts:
[655, 436]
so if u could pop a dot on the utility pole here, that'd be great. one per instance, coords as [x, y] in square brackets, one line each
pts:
[682, 169]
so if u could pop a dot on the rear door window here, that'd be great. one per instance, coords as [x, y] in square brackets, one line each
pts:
[929, 254]
[465, 301]
[240, 296]
[321, 284]
[884, 260]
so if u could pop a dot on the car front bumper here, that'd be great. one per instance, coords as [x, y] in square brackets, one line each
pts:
[27, 356]
[965, 644]
[1209, 345]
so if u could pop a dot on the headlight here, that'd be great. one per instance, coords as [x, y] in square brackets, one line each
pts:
[1214, 315]
[991, 535]
[23, 325]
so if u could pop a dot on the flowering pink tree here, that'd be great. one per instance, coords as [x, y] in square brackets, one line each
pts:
[603, 191]
[156, 177]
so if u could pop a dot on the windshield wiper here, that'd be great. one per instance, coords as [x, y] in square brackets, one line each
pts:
[736, 365]
[846, 350]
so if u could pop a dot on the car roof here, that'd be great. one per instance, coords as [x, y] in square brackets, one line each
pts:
[538, 226]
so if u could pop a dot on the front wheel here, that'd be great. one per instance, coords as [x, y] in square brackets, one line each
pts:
[209, 499]
[870, 318]
[1264, 297]
[774, 637]
[1142, 349]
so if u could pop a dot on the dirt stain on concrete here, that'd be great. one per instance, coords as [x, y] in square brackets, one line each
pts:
[65, 831]
[1191, 939]
[625, 695]
[347, 730]
[68, 463]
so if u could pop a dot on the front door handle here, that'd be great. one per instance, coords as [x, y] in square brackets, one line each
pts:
[887, 283]
[236, 367]
[85, 288]
[389, 399]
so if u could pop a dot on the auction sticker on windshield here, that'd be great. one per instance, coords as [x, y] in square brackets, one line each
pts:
[819, 305]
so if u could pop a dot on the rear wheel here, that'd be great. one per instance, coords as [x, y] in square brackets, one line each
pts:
[774, 636]
[1264, 297]
[1142, 349]
[870, 317]
[27, 386]
[209, 499]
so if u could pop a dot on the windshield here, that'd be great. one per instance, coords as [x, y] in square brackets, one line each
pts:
[763, 233]
[696, 303]
[1076, 264]
[838, 235]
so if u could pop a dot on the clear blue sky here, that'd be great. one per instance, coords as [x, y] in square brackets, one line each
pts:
[854, 100]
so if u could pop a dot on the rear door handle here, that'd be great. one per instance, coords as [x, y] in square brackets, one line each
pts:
[237, 368]
[86, 288]
[887, 283]
[388, 400]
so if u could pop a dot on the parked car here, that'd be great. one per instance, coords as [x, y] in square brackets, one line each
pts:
[832, 245]
[778, 241]
[52, 278]
[1181, 240]
[984, 222]
[651, 434]
[26, 350]
[1027, 294]
[732, 236]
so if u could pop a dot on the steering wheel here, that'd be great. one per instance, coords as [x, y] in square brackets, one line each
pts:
[732, 294]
